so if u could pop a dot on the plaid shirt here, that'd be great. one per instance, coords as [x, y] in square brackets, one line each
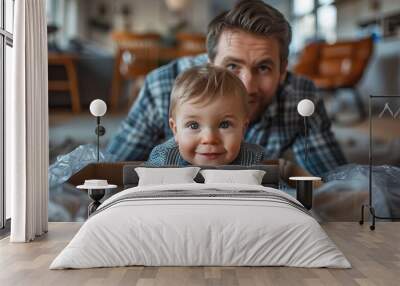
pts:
[278, 129]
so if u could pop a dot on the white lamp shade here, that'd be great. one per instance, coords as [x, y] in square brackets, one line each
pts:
[98, 107]
[305, 107]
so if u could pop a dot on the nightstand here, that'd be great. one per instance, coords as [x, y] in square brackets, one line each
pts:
[112, 172]
[304, 190]
[96, 190]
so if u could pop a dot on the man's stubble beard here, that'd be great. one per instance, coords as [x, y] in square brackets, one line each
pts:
[258, 109]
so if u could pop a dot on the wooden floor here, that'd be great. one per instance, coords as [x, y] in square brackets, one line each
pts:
[374, 255]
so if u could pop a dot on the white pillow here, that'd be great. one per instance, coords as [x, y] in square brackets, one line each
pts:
[162, 176]
[248, 177]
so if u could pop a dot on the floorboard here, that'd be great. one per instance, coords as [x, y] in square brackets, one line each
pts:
[374, 255]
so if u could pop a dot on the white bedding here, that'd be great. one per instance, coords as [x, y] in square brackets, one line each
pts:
[185, 230]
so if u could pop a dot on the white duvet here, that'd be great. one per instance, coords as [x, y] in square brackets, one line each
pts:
[185, 230]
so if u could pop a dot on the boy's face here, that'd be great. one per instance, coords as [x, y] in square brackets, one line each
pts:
[209, 134]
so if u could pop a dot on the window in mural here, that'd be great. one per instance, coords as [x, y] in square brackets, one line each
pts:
[6, 43]
[313, 20]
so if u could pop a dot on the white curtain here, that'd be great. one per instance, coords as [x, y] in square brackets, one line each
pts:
[27, 124]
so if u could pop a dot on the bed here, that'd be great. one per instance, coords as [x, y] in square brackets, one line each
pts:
[201, 224]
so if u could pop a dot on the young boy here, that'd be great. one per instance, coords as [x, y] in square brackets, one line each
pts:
[208, 116]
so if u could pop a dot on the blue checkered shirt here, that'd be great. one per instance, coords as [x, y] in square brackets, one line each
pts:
[278, 129]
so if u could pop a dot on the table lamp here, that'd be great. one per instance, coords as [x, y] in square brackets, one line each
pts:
[98, 108]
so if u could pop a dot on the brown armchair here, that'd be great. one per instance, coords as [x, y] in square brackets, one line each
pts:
[336, 66]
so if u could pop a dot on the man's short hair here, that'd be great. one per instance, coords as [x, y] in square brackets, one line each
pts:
[205, 83]
[253, 16]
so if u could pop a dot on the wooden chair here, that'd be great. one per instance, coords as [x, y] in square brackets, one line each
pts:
[190, 44]
[70, 84]
[136, 56]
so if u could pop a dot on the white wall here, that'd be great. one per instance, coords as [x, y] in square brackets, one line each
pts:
[147, 16]
[282, 5]
[151, 15]
[350, 13]
[382, 76]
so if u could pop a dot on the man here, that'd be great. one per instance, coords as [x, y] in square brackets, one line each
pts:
[252, 40]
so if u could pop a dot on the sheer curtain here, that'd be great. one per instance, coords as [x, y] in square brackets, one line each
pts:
[27, 124]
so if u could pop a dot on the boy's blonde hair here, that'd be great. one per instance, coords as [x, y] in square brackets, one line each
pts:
[206, 83]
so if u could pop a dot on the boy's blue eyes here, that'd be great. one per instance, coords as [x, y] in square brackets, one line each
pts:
[195, 125]
[225, 124]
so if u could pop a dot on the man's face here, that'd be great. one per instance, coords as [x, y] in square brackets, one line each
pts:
[256, 61]
[209, 133]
